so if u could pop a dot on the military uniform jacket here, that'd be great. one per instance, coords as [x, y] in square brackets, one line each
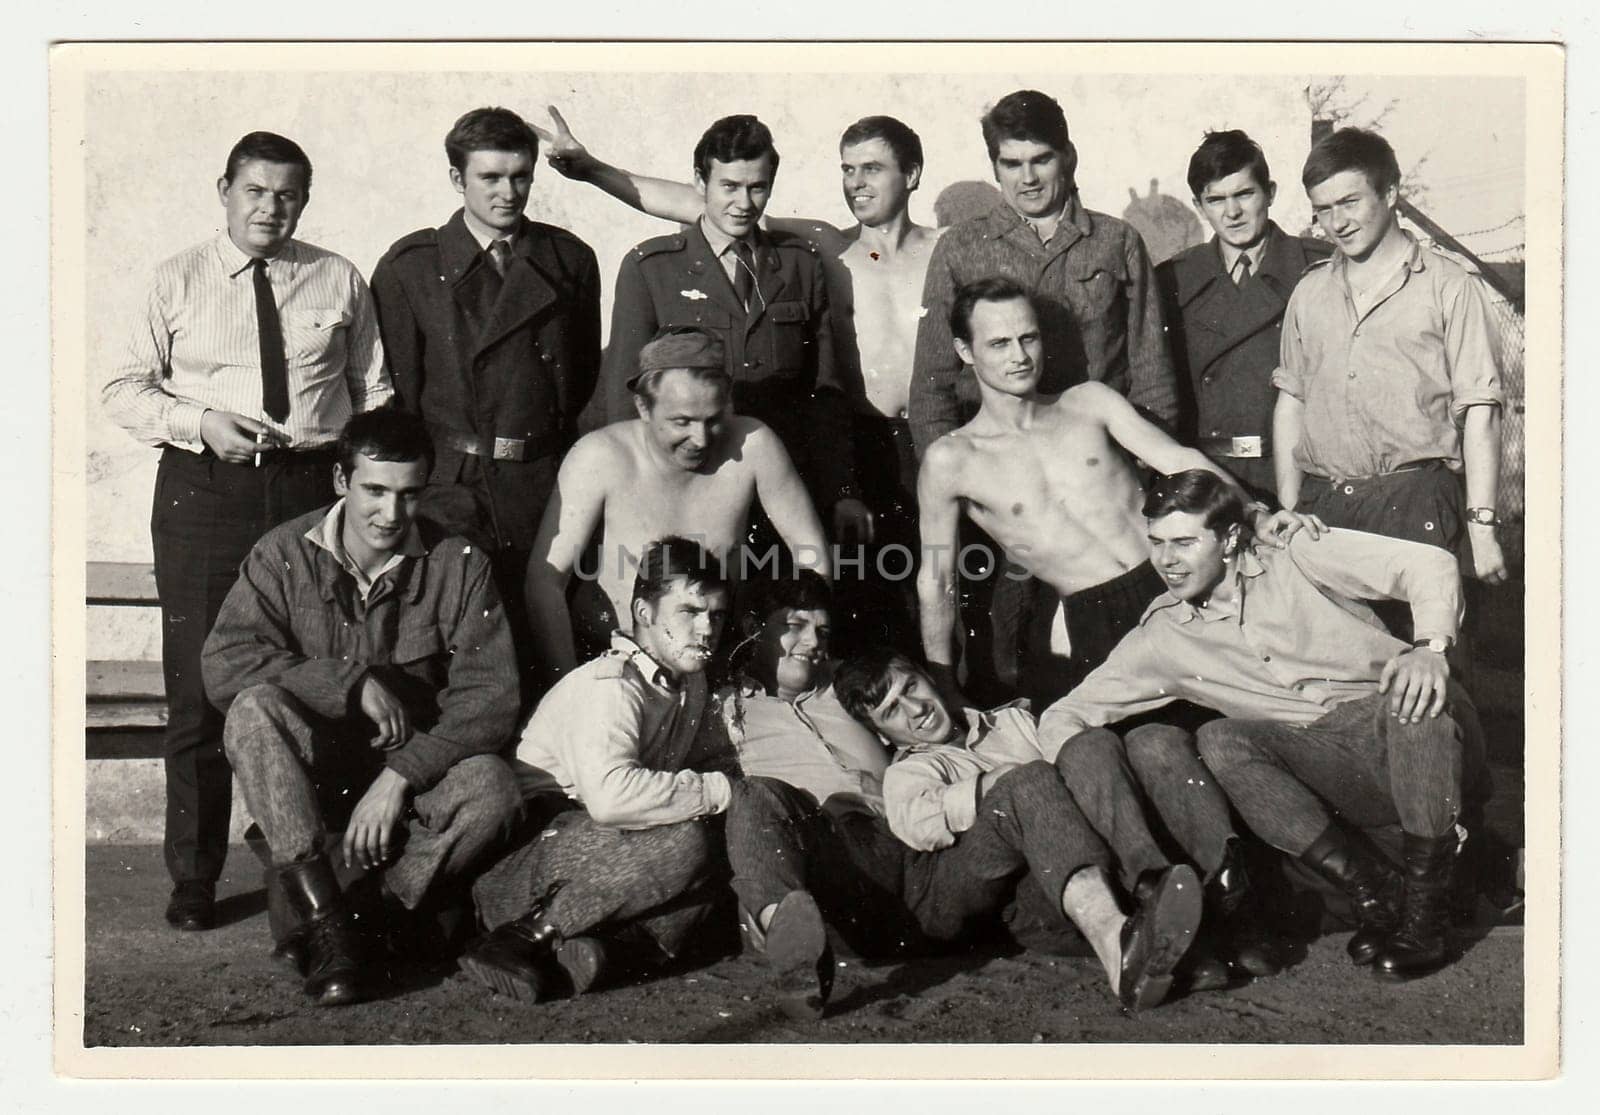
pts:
[780, 353]
[489, 358]
[1224, 338]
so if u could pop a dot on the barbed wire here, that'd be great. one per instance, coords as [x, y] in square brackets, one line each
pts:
[1486, 231]
[1502, 251]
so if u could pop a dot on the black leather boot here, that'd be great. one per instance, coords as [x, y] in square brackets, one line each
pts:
[1371, 885]
[1230, 912]
[1418, 946]
[530, 961]
[333, 963]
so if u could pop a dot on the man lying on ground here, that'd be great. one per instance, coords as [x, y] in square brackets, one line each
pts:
[810, 844]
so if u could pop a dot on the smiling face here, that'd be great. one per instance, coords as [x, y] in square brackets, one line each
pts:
[791, 648]
[494, 187]
[1034, 177]
[1354, 214]
[876, 189]
[264, 201]
[911, 713]
[1190, 556]
[687, 418]
[1006, 351]
[681, 629]
[736, 194]
[380, 500]
[1236, 208]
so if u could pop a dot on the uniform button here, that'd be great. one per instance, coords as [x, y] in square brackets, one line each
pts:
[1266, 658]
[1352, 375]
[1427, 526]
[756, 363]
[545, 357]
[904, 413]
[1349, 491]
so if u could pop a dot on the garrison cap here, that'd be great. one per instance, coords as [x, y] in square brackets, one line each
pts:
[680, 348]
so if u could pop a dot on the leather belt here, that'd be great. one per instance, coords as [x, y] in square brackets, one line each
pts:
[1248, 445]
[496, 448]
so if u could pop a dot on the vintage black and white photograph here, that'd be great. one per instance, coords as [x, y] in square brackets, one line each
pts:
[807, 548]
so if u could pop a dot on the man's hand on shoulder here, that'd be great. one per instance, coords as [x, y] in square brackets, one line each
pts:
[385, 710]
[1417, 680]
[235, 438]
[1278, 527]
[372, 824]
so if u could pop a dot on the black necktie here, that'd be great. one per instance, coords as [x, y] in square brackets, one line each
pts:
[1242, 271]
[500, 256]
[744, 272]
[274, 375]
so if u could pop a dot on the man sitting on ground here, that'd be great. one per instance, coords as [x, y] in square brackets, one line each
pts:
[618, 789]
[359, 648]
[808, 838]
[1327, 713]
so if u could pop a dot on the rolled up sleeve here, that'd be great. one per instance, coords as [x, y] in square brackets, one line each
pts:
[928, 802]
[1472, 346]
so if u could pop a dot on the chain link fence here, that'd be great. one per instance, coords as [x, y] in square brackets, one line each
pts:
[1512, 433]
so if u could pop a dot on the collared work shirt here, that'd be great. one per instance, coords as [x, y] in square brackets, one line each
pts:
[1389, 386]
[197, 347]
[1099, 314]
[811, 743]
[932, 792]
[432, 631]
[329, 535]
[619, 735]
[1294, 642]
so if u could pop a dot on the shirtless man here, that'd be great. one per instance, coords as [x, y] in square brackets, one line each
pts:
[875, 272]
[686, 467]
[1050, 478]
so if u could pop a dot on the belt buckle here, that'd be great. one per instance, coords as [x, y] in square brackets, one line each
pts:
[1249, 446]
[508, 448]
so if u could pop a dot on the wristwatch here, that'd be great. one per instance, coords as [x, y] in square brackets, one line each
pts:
[1437, 645]
[1483, 516]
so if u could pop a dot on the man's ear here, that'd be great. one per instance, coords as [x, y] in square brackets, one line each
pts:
[1272, 193]
[963, 350]
[1230, 542]
[641, 405]
[341, 482]
[222, 190]
[1069, 164]
[457, 181]
[913, 178]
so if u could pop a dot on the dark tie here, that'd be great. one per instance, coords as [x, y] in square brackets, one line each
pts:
[500, 256]
[274, 375]
[1241, 271]
[744, 272]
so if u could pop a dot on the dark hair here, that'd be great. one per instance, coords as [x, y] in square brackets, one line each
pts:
[905, 143]
[489, 129]
[268, 147]
[385, 434]
[793, 589]
[995, 288]
[1197, 491]
[1352, 149]
[1025, 114]
[1223, 153]
[732, 139]
[671, 559]
[861, 684]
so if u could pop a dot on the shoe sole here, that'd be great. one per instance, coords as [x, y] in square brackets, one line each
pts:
[797, 944]
[499, 981]
[1173, 919]
[583, 959]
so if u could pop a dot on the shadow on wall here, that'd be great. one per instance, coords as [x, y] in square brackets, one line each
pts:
[1167, 224]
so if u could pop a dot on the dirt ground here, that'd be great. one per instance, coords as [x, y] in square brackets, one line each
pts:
[149, 986]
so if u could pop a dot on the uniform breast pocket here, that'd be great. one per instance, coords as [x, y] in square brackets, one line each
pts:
[417, 645]
[695, 315]
[1096, 288]
[791, 337]
[311, 335]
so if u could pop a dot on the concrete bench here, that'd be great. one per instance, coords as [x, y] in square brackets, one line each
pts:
[127, 700]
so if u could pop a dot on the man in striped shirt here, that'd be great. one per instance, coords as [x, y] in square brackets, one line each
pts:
[253, 351]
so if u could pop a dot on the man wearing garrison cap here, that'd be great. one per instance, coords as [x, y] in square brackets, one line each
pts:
[687, 466]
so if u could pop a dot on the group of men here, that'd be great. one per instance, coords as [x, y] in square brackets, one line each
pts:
[442, 583]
